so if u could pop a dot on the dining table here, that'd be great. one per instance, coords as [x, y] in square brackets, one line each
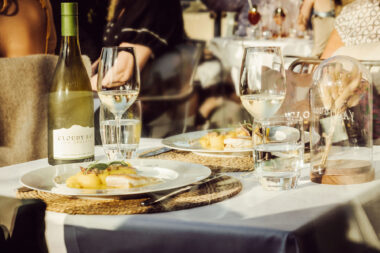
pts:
[311, 218]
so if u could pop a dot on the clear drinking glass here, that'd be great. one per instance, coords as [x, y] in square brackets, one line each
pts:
[262, 81]
[278, 152]
[130, 132]
[118, 83]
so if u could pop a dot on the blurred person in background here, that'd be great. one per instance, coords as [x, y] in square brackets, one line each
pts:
[152, 27]
[357, 24]
[91, 22]
[357, 34]
[322, 14]
[27, 27]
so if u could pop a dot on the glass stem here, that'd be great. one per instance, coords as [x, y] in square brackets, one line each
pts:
[118, 133]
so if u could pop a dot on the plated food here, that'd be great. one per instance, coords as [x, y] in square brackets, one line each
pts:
[166, 175]
[239, 137]
[212, 142]
[227, 142]
[116, 174]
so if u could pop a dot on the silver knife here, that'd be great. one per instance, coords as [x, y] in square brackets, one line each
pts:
[155, 152]
[155, 200]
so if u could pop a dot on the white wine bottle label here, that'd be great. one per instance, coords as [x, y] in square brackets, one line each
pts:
[76, 142]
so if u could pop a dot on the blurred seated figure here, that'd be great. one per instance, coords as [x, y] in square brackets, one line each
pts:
[168, 95]
[27, 32]
[357, 34]
[155, 29]
[357, 24]
[92, 18]
[27, 27]
[152, 27]
[322, 15]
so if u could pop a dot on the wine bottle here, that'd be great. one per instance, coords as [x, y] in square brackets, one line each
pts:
[71, 106]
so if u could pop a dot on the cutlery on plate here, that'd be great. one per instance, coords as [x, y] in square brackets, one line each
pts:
[155, 152]
[159, 198]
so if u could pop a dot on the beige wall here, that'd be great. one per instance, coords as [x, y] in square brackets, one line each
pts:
[200, 25]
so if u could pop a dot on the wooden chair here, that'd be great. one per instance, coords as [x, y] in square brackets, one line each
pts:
[304, 65]
[308, 65]
[167, 90]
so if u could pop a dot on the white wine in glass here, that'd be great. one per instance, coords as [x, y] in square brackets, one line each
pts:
[262, 81]
[118, 82]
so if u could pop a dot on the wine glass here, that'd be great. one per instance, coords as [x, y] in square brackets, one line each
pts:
[262, 81]
[262, 86]
[118, 82]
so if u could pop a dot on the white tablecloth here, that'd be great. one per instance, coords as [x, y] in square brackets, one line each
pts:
[251, 213]
[229, 50]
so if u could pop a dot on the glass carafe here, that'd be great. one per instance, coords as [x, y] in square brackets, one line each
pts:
[341, 122]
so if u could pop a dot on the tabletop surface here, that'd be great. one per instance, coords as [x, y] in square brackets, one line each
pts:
[240, 217]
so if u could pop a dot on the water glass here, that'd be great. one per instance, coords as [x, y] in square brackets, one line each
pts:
[130, 132]
[278, 152]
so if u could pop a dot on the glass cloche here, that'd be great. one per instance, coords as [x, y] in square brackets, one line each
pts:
[341, 122]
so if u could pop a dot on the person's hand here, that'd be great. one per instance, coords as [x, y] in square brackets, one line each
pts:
[210, 104]
[122, 71]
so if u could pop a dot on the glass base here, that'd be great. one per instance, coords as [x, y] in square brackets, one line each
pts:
[276, 183]
[127, 151]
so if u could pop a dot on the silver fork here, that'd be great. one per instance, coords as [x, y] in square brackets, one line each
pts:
[159, 198]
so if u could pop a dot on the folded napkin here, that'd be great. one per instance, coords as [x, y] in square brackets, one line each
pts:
[22, 225]
[8, 210]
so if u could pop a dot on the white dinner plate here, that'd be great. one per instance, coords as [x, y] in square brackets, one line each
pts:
[172, 174]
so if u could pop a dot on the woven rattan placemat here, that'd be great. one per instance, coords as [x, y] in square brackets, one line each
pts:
[214, 191]
[216, 164]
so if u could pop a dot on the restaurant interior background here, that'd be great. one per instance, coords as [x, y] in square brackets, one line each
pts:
[215, 91]
[202, 94]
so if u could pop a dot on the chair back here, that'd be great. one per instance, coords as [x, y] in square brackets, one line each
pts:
[25, 83]
[304, 65]
[308, 65]
[167, 88]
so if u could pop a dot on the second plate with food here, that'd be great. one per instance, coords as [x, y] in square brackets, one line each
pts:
[191, 142]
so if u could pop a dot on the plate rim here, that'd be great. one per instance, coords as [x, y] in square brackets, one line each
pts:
[221, 152]
[206, 172]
